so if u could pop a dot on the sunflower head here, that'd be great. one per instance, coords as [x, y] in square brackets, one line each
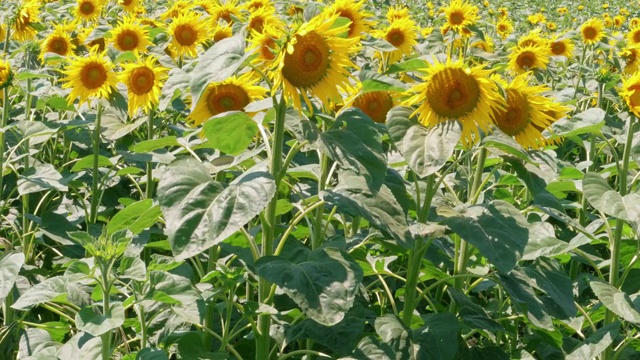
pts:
[5, 74]
[265, 46]
[25, 18]
[397, 12]
[504, 27]
[561, 47]
[263, 18]
[315, 59]
[631, 56]
[523, 59]
[226, 10]
[592, 31]
[355, 12]
[453, 91]
[130, 6]
[232, 94]
[129, 35]
[633, 37]
[459, 15]
[376, 104]
[533, 38]
[403, 35]
[630, 92]
[527, 113]
[144, 81]
[58, 42]
[187, 32]
[88, 77]
[88, 10]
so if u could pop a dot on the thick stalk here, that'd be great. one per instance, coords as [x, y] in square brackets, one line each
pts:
[95, 197]
[149, 189]
[318, 235]
[3, 124]
[616, 242]
[106, 289]
[263, 340]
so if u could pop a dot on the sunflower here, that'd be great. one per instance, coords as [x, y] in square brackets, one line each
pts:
[402, 34]
[485, 45]
[618, 21]
[315, 59]
[5, 75]
[221, 32]
[536, 18]
[533, 38]
[631, 93]
[634, 23]
[355, 12]
[561, 47]
[592, 31]
[252, 5]
[187, 32]
[89, 77]
[504, 28]
[129, 5]
[376, 104]
[206, 5]
[88, 10]
[58, 42]
[631, 55]
[265, 46]
[633, 37]
[226, 11]
[459, 15]
[23, 23]
[523, 59]
[263, 18]
[232, 94]
[527, 113]
[3, 33]
[397, 12]
[144, 81]
[453, 91]
[85, 36]
[129, 35]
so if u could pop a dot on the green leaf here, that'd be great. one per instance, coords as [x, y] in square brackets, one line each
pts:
[230, 132]
[589, 121]
[218, 63]
[341, 337]
[95, 324]
[370, 85]
[87, 163]
[541, 196]
[42, 292]
[473, 314]
[498, 230]
[394, 334]
[438, 338]
[136, 217]
[602, 197]
[200, 213]
[596, 343]
[177, 83]
[408, 65]
[525, 299]
[549, 277]
[381, 209]
[425, 150]
[615, 300]
[10, 265]
[40, 178]
[115, 124]
[324, 286]
[152, 354]
[155, 144]
[32, 342]
[358, 147]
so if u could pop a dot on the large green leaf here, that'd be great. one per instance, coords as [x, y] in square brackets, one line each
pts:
[10, 266]
[42, 292]
[380, 208]
[97, 324]
[602, 197]
[615, 300]
[548, 276]
[357, 147]
[596, 343]
[218, 63]
[537, 186]
[438, 338]
[394, 334]
[426, 150]
[136, 217]
[498, 230]
[231, 132]
[525, 299]
[473, 314]
[200, 213]
[341, 337]
[589, 121]
[324, 286]
[39, 178]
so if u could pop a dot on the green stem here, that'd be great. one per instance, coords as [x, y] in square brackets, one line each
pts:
[616, 242]
[106, 289]
[149, 189]
[263, 339]
[3, 124]
[95, 198]
[318, 235]
[413, 272]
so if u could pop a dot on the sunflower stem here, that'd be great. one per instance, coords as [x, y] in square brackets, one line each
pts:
[149, 188]
[318, 235]
[95, 198]
[263, 339]
[616, 241]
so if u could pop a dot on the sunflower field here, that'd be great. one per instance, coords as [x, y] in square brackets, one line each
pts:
[372, 179]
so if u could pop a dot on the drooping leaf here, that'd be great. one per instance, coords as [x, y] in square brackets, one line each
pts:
[341, 337]
[200, 213]
[498, 230]
[548, 276]
[615, 300]
[394, 334]
[426, 150]
[230, 132]
[381, 209]
[525, 299]
[96, 324]
[473, 314]
[324, 286]
[596, 343]
[10, 265]
[602, 197]
[438, 338]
